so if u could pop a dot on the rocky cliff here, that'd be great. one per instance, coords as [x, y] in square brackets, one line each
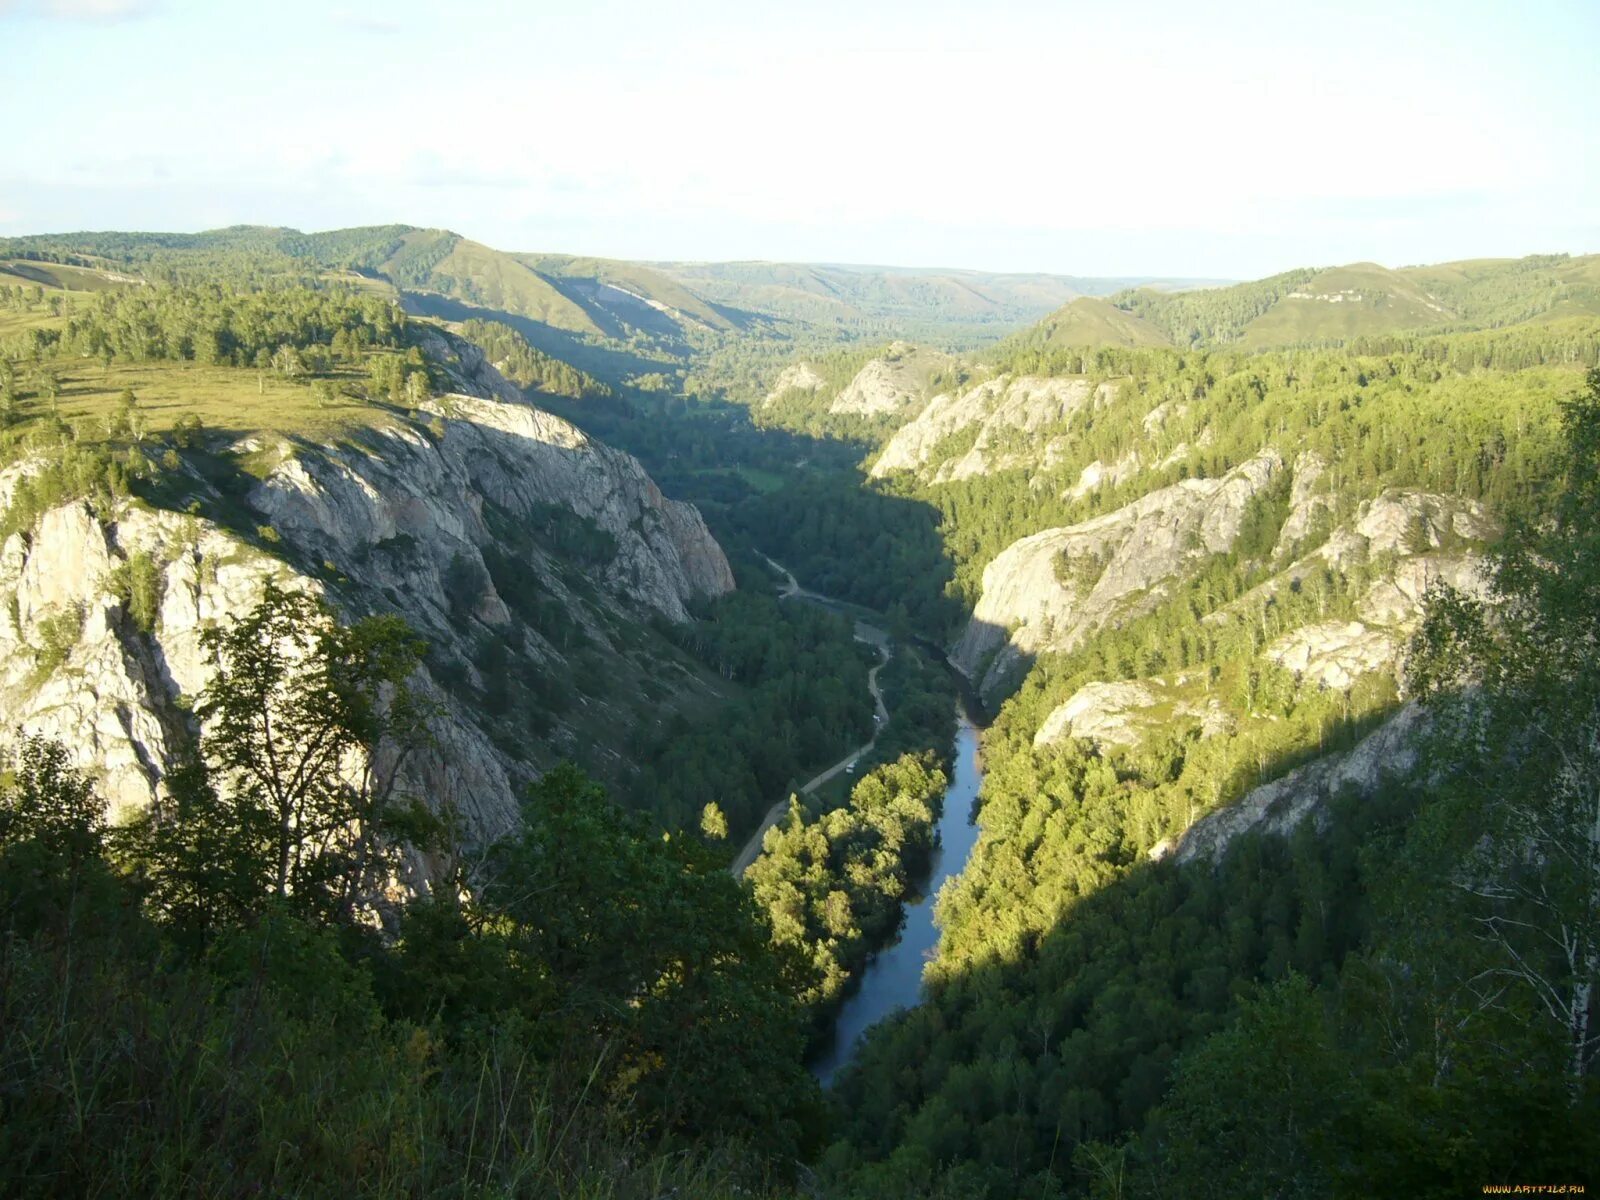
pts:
[1002, 418]
[1279, 807]
[485, 517]
[1051, 590]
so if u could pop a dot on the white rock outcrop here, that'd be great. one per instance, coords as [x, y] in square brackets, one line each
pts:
[390, 518]
[1280, 806]
[796, 377]
[1098, 475]
[1106, 713]
[1026, 607]
[1306, 501]
[1334, 654]
[876, 389]
[1004, 409]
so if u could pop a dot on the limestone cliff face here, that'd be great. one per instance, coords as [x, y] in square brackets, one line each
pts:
[1280, 806]
[394, 524]
[897, 382]
[1403, 543]
[1003, 412]
[796, 377]
[1051, 590]
[342, 503]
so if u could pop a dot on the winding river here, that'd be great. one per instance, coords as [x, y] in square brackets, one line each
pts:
[893, 978]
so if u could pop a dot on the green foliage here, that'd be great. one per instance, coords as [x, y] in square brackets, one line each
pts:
[1429, 414]
[1426, 950]
[530, 369]
[803, 702]
[1514, 688]
[650, 952]
[1210, 316]
[272, 1067]
[137, 584]
[73, 472]
[603, 1017]
[884, 552]
[218, 325]
[58, 634]
[295, 822]
[47, 804]
[1293, 307]
[833, 885]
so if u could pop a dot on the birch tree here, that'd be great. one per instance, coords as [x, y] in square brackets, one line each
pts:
[1515, 685]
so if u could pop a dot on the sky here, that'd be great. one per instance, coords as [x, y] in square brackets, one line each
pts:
[1159, 138]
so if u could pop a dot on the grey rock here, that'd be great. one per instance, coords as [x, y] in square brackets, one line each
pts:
[1279, 807]
[1025, 608]
[117, 700]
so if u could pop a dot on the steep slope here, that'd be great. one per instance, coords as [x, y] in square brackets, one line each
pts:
[1001, 422]
[1344, 303]
[485, 523]
[491, 279]
[631, 294]
[1093, 321]
[1051, 590]
[1191, 605]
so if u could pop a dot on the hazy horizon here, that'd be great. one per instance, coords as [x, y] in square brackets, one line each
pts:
[1030, 138]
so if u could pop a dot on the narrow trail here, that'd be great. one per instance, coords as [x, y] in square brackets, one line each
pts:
[864, 633]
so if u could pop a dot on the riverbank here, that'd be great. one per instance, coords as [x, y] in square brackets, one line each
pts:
[865, 632]
[892, 978]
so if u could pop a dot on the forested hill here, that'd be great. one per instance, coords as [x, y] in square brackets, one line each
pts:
[895, 300]
[1284, 877]
[600, 299]
[1363, 306]
[1366, 300]
[1203, 587]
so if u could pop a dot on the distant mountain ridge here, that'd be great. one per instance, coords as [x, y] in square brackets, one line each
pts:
[610, 298]
[1365, 299]
[844, 294]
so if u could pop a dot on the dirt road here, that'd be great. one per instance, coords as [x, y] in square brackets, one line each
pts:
[864, 633]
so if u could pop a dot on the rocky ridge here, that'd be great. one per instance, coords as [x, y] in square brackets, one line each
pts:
[401, 522]
[1008, 412]
[1114, 568]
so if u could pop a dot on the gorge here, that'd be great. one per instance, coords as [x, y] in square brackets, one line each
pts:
[681, 837]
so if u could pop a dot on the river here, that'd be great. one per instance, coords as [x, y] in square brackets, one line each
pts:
[893, 978]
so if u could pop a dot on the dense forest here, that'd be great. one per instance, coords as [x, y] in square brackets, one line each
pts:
[205, 1000]
[281, 976]
[1398, 991]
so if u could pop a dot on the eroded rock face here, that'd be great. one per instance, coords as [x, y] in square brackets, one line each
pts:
[1306, 501]
[1098, 474]
[114, 698]
[896, 382]
[1280, 806]
[1004, 408]
[342, 504]
[1029, 605]
[1107, 713]
[877, 388]
[111, 700]
[1334, 654]
[796, 377]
